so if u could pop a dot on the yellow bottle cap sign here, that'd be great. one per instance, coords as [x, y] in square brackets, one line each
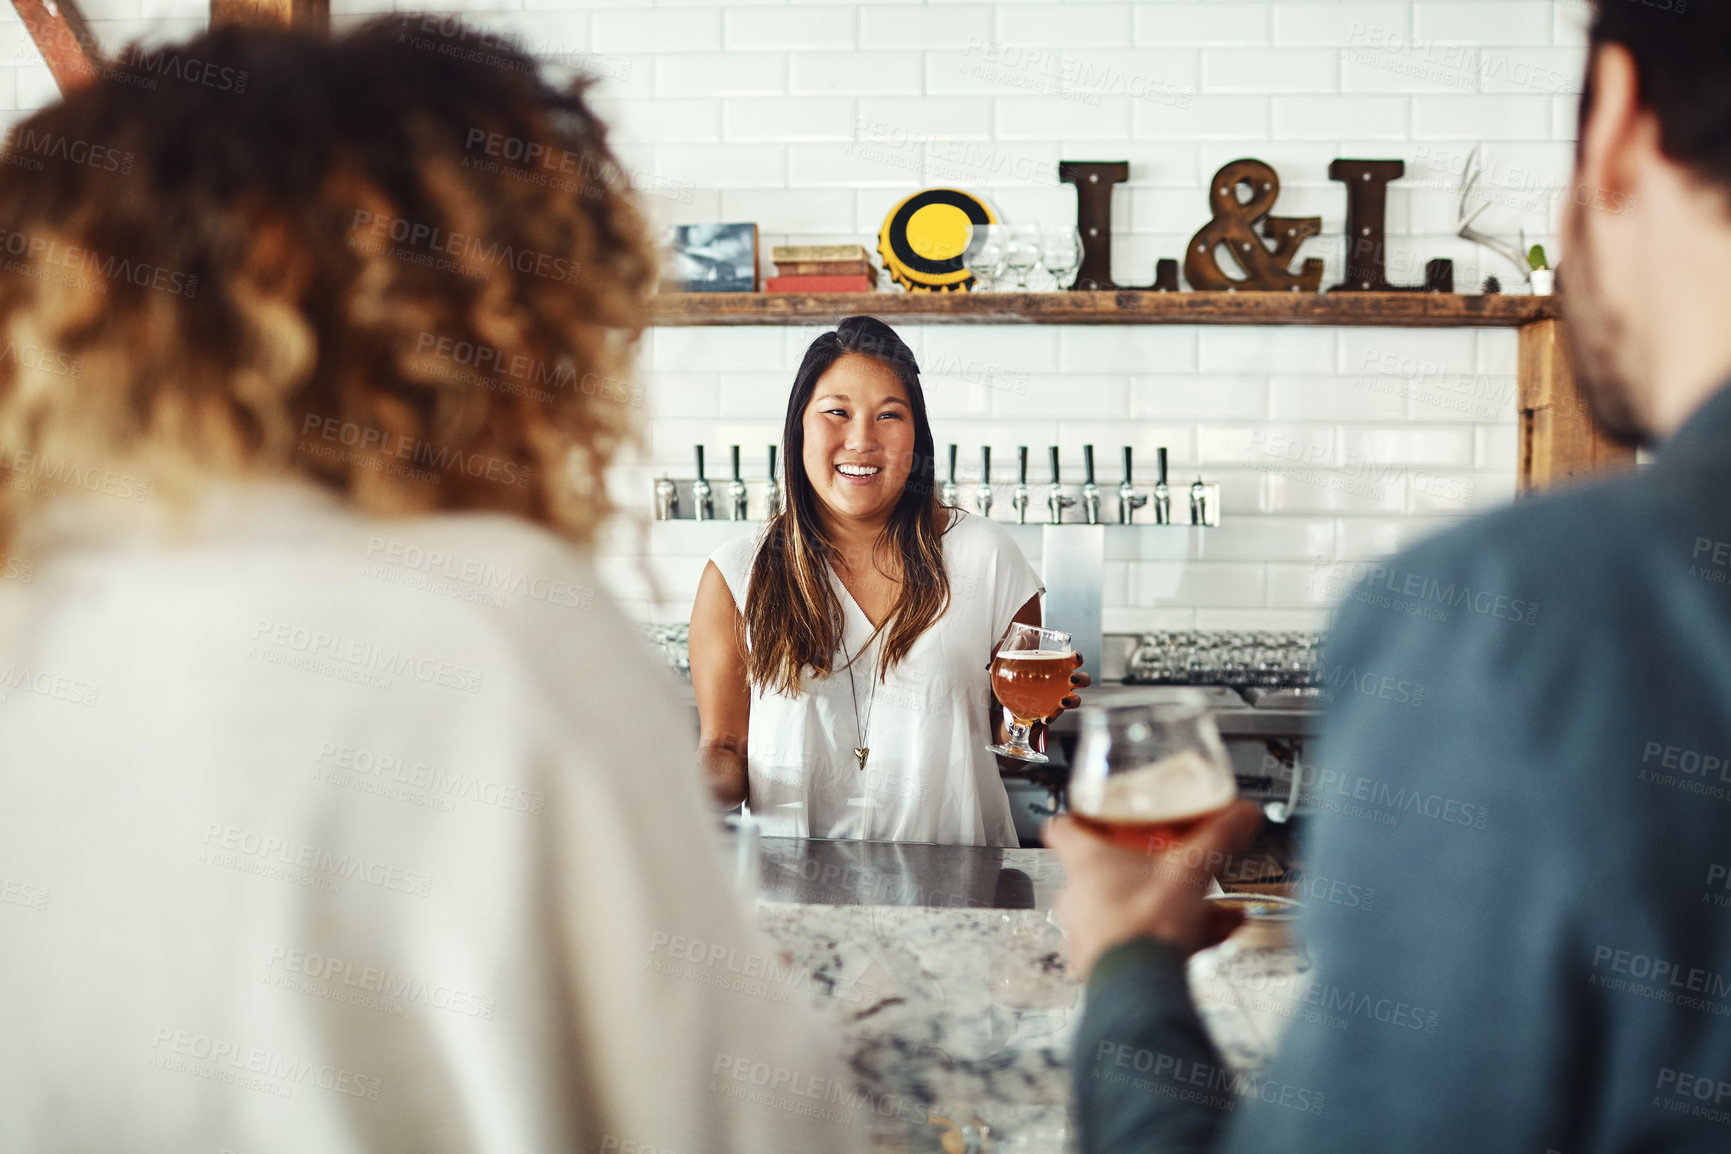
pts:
[923, 238]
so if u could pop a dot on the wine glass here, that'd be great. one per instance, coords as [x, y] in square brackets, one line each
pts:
[984, 256]
[1150, 769]
[1061, 255]
[1022, 253]
[1030, 677]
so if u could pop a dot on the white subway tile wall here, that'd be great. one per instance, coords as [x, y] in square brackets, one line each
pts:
[1327, 444]
[812, 118]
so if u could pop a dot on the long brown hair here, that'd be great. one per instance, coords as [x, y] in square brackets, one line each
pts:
[406, 271]
[793, 620]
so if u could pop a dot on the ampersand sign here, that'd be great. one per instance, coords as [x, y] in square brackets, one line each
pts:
[1234, 228]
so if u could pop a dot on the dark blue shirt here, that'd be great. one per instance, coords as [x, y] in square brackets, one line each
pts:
[1527, 756]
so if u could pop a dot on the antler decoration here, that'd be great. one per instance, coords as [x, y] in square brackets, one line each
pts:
[1515, 255]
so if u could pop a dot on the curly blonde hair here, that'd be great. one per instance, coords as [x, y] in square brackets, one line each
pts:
[397, 263]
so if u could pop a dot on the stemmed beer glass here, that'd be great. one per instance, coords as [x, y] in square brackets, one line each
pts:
[1031, 678]
[984, 255]
[1150, 769]
[1022, 253]
[1061, 255]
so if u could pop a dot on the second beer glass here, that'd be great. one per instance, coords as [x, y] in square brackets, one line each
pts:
[1031, 678]
[1150, 769]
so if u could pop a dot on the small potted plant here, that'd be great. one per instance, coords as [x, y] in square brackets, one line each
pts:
[1544, 276]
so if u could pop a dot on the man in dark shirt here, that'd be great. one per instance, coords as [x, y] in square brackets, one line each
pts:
[1545, 812]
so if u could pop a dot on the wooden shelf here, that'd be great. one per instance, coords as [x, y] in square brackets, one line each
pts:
[1120, 307]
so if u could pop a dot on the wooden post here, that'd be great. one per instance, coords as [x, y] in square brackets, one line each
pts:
[1559, 441]
[310, 14]
[67, 47]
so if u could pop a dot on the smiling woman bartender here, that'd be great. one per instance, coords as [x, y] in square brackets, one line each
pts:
[840, 656]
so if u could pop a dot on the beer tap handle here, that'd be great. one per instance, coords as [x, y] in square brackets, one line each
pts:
[1162, 495]
[772, 489]
[952, 464]
[985, 464]
[1128, 499]
[1019, 498]
[1088, 463]
[738, 496]
[1055, 499]
[700, 492]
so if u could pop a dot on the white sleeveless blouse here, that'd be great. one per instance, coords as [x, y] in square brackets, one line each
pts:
[929, 777]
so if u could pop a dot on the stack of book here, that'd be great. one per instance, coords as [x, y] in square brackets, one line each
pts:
[821, 268]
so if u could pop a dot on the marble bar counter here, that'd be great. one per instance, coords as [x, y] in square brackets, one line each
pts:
[950, 992]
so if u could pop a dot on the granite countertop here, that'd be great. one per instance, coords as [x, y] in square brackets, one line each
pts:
[949, 987]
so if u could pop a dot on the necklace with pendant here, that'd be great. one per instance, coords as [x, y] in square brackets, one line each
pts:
[863, 749]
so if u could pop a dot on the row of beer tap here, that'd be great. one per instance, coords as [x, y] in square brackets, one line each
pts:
[696, 499]
[669, 507]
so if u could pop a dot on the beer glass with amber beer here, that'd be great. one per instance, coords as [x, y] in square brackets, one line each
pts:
[1150, 769]
[1030, 677]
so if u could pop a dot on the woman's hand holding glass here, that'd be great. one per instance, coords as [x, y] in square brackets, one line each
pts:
[1034, 676]
[1072, 700]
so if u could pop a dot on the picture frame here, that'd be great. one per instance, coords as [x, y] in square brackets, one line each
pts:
[717, 258]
